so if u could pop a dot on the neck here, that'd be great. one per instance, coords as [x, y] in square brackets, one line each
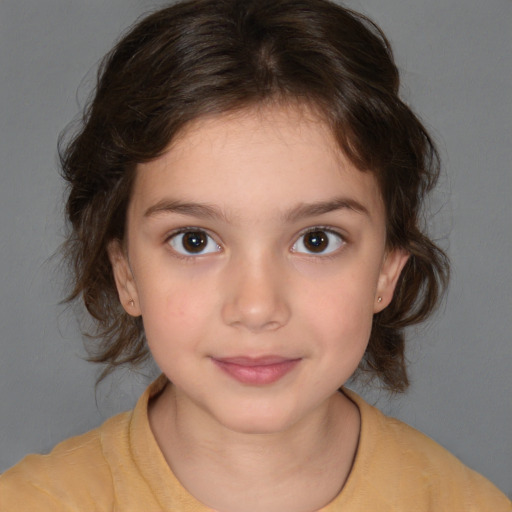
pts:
[299, 469]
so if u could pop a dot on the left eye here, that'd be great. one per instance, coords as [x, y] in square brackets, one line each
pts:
[318, 241]
[193, 242]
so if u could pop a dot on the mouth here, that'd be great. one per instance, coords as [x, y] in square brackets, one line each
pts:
[258, 371]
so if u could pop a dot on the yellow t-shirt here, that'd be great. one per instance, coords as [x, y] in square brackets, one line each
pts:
[119, 467]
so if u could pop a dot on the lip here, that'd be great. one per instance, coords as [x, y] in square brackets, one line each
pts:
[257, 371]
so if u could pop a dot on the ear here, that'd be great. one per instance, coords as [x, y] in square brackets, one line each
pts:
[125, 283]
[394, 262]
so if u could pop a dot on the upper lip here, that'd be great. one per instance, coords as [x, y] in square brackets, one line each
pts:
[255, 361]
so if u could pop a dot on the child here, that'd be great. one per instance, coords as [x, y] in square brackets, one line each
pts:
[244, 202]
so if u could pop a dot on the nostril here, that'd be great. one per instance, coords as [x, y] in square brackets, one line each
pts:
[268, 316]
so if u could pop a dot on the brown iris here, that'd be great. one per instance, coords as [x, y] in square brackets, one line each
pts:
[194, 241]
[316, 241]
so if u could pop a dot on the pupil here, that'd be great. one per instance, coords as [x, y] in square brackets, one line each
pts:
[194, 241]
[316, 241]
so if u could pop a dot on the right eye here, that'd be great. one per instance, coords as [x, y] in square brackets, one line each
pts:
[318, 241]
[193, 242]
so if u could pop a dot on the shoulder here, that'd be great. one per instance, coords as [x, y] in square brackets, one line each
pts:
[404, 466]
[75, 475]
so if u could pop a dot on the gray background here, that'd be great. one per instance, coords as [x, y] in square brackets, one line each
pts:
[457, 73]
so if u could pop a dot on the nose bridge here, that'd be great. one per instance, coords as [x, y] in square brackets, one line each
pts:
[257, 295]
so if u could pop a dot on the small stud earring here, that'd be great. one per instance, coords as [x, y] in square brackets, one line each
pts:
[131, 302]
[379, 299]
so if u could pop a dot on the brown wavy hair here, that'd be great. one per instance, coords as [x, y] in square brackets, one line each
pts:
[204, 57]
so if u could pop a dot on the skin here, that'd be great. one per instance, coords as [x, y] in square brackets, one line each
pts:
[253, 183]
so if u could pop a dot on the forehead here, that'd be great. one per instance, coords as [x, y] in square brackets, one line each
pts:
[269, 158]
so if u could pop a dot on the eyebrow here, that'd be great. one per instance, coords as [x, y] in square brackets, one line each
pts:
[301, 211]
[200, 210]
[306, 210]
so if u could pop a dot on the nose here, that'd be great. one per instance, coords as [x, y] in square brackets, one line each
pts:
[256, 294]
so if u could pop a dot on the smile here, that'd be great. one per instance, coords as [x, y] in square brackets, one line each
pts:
[256, 371]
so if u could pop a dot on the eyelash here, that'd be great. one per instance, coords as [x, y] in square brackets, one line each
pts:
[340, 242]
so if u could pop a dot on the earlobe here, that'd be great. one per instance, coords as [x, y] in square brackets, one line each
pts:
[123, 276]
[394, 262]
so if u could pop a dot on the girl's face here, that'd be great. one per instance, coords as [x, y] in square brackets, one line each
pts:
[256, 255]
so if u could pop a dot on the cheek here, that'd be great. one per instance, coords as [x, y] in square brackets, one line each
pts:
[341, 327]
[342, 311]
[173, 310]
[346, 294]
[165, 291]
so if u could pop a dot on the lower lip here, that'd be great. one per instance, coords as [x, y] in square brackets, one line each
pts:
[257, 374]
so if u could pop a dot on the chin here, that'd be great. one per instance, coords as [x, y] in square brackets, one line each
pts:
[264, 421]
